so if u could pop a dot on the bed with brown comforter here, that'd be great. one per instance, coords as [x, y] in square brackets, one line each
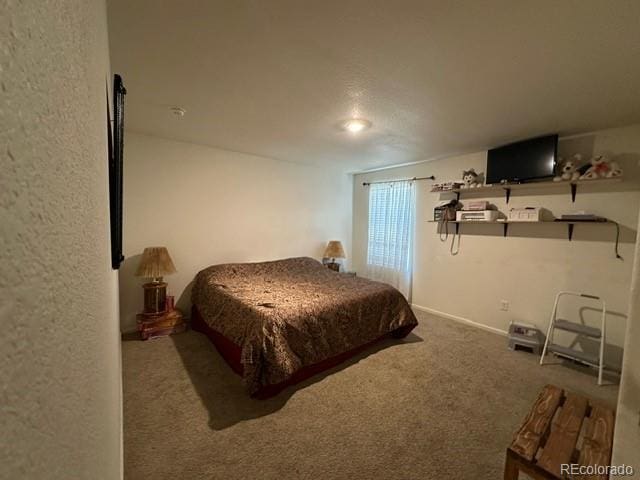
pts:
[288, 316]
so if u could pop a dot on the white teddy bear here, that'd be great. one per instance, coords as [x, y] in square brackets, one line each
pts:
[569, 169]
[602, 167]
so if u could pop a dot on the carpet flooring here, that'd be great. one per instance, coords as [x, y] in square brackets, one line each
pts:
[441, 404]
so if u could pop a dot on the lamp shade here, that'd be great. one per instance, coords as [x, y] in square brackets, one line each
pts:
[334, 250]
[155, 263]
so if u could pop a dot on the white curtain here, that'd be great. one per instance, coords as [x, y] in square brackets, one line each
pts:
[391, 234]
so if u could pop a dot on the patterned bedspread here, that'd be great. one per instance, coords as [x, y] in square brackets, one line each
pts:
[291, 313]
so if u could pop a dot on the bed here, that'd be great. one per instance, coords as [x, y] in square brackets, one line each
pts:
[277, 323]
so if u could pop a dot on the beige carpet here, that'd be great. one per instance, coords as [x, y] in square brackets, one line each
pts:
[442, 404]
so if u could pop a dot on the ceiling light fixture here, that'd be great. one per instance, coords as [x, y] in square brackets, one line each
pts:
[356, 125]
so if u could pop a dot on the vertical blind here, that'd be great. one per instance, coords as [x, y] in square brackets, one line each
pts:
[390, 237]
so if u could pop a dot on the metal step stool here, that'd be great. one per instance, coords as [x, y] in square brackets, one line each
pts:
[567, 352]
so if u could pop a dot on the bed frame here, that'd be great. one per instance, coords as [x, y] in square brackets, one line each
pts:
[232, 355]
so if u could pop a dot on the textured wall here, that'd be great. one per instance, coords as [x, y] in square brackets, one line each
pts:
[535, 261]
[60, 401]
[626, 444]
[210, 206]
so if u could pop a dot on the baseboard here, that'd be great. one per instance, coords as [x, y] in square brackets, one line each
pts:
[456, 318]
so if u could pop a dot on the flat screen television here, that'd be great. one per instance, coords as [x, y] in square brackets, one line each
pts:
[523, 161]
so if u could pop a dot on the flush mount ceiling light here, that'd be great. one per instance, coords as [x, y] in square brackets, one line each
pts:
[356, 125]
[177, 111]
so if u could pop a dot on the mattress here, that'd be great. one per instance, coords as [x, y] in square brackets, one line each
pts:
[289, 315]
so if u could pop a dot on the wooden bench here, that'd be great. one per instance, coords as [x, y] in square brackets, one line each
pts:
[561, 428]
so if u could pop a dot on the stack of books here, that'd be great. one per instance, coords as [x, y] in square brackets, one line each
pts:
[160, 325]
[445, 186]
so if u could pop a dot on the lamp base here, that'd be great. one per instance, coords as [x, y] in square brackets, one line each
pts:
[335, 266]
[155, 297]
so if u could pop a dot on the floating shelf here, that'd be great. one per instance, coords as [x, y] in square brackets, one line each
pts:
[505, 223]
[507, 188]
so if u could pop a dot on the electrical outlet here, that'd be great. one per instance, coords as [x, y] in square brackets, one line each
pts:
[504, 305]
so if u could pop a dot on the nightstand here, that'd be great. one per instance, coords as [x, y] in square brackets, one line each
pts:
[160, 325]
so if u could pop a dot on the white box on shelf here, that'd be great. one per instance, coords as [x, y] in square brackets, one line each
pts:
[530, 214]
[477, 215]
[477, 205]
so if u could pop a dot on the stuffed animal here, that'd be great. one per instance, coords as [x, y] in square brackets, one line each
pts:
[470, 179]
[569, 169]
[615, 170]
[601, 167]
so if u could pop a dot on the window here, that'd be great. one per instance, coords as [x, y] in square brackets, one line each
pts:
[391, 227]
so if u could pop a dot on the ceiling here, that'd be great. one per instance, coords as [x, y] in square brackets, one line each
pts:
[275, 78]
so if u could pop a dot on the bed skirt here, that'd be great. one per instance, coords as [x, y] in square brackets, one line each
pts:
[232, 355]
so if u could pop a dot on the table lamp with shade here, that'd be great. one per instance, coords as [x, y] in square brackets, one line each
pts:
[334, 250]
[155, 263]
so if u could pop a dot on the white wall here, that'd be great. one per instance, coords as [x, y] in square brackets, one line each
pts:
[60, 402]
[210, 206]
[626, 443]
[534, 262]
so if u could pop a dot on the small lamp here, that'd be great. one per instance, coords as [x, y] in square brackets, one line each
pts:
[155, 263]
[334, 250]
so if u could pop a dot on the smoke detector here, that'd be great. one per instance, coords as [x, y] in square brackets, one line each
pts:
[177, 111]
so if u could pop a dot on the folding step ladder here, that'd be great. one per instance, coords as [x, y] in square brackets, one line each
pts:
[578, 328]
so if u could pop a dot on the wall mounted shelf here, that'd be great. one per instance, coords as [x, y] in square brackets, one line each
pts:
[505, 224]
[508, 188]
